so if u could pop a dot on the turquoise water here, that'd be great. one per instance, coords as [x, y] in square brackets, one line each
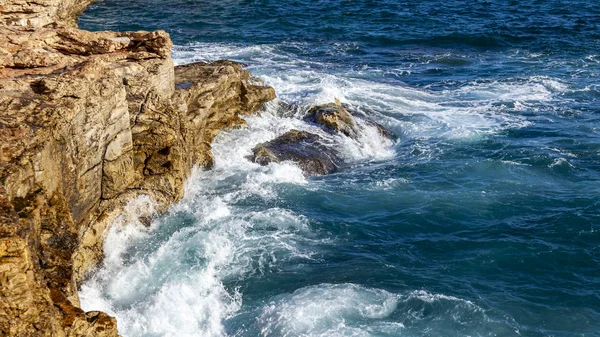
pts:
[482, 219]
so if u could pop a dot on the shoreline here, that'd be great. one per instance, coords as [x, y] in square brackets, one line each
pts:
[89, 121]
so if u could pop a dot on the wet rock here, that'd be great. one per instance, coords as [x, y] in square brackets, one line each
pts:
[304, 148]
[334, 117]
[307, 149]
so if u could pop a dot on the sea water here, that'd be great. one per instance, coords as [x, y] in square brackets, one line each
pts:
[481, 219]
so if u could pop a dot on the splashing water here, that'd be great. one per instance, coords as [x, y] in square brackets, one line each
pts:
[480, 220]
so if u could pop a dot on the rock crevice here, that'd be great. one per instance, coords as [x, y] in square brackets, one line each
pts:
[88, 121]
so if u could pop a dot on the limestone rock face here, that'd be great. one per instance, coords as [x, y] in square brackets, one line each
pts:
[301, 147]
[87, 122]
[215, 95]
[39, 13]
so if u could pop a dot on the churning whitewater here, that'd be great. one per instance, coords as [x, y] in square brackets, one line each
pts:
[481, 219]
[186, 274]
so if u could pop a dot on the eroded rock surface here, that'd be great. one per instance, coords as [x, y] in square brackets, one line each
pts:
[87, 122]
[39, 13]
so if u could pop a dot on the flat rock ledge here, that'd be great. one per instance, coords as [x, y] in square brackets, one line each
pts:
[89, 121]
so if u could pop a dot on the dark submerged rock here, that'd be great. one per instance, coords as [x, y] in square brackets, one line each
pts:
[301, 147]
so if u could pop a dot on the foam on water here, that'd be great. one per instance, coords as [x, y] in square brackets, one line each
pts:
[168, 279]
[174, 278]
[468, 112]
[354, 310]
[177, 289]
[480, 220]
[329, 310]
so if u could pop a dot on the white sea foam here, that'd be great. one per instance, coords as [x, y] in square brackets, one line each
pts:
[329, 310]
[354, 310]
[170, 279]
[535, 88]
[470, 112]
[561, 163]
[127, 228]
[388, 184]
[177, 289]
[428, 297]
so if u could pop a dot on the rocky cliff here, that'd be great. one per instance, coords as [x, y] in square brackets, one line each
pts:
[89, 121]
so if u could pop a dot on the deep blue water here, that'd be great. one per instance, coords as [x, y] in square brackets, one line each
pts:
[483, 219]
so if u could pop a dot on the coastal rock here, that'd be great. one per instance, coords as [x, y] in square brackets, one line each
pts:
[301, 147]
[89, 121]
[40, 13]
[215, 96]
[334, 117]
[308, 149]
